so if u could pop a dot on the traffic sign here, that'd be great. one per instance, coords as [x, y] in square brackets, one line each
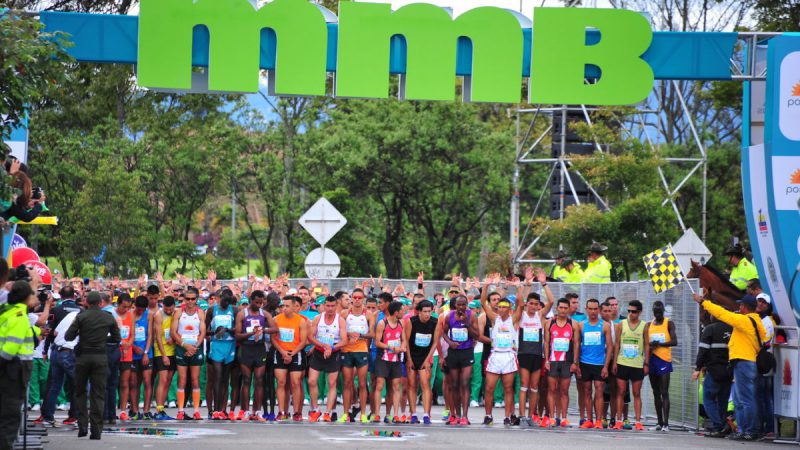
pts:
[322, 221]
[322, 263]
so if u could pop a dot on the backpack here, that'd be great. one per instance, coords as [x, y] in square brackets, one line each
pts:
[765, 361]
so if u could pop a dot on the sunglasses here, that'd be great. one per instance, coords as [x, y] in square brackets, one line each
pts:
[358, 297]
[633, 311]
[190, 298]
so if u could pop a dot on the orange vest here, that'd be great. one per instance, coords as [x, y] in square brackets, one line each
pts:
[288, 337]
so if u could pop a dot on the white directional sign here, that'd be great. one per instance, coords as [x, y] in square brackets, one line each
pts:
[322, 221]
[690, 247]
[322, 263]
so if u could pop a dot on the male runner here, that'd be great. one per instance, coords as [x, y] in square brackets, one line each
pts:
[391, 343]
[594, 355]
[421, 331]
[632, 360]
[355, 355]
[560, 340]
[289, 359]
[328, 334]
[189, 332]
[164, 360]
[460, 329]
[530, 353]
[662, 338]
[220, 325]
[252, 327]
[124, 317]
[384, 298]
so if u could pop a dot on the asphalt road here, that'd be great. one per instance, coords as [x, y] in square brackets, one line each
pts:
[244, 436]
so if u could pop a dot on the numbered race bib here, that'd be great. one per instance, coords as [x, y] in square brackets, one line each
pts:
[190, 339]
[658, 337]
[459, 334]
[356, 328]
[327, 338]
[530, 334]
[139, 334]
[252, 327]
[503, 340]
[592, 338]
[630, 351]
[223, 321]
[125, 332]
[394, 344]
[286, 335]
[561, 344]
[166, 334]
[422, 340]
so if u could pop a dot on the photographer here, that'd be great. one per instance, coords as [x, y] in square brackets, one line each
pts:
[17, 341]
[28, 203]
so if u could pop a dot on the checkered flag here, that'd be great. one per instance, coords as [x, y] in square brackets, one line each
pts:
[663, 268]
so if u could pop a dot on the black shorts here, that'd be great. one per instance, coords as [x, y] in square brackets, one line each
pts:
[612, 381]
[355, 359]
[418, 360]
[460, 359]
[389, 370]
[529, 362]
[158, 362]
[298, 363]
[318, 362]
[252, 356]
[560, 369]
[630, 373]
[591, 372]
[137, 365]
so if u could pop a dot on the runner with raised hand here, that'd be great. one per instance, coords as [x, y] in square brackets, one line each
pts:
[460, 329]
[531, 324]
[328, 334]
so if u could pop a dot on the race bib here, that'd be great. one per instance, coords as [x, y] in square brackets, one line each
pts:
[139, 334]
[254, 323]
[223, 321]
[190, 339]
[561, 344]
[630, 351]
[356, 328]
[530, 334]
[327, 338]
[166, 334]
[422, 340]
[125, 332]
[394, 344]
[286, 335]
[503, 340]
[658, 337]
[592, 338]
[459, 334]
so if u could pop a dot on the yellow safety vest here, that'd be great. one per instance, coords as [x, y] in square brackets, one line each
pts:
[598, 271]
[742, 273]
[16, 333]
[575, 276]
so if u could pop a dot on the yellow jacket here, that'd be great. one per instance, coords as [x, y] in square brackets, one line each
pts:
[598, 271]
[742, 273]
[743, 343]
[565, 276]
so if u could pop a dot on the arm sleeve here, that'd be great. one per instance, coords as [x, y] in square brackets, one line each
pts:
[703, 348]
[72, 332]
[739, 321]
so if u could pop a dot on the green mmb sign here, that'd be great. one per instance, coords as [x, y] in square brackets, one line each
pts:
[558, 60]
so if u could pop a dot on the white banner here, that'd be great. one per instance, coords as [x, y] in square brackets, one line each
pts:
[786, 383]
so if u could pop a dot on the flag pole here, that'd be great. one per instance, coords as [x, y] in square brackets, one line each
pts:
[685, 278]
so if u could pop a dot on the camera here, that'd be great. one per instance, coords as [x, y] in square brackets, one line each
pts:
[36, 193]
[21, 273]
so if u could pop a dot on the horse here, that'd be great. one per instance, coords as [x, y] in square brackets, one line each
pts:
[716, 286]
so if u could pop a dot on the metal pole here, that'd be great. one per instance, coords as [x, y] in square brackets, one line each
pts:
[514, 231]
[561, 160]
[705, 196]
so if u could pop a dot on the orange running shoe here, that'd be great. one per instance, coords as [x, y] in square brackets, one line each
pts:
[638, 426]
[313, 416]
[231, 415]
[587, 425]
[376, 419]
[181, 416]
[197, 416]
[618, 426]
[545, 423]
[240, 416]
[326, 417]
[598, 424]
[124, 416]
[564, 423]
[536, 419]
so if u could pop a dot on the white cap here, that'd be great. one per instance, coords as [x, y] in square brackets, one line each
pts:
[292, 291]
[765, 297]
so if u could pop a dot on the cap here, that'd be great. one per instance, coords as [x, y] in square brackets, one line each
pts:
[566, 262]
[512, 298]
[320, 300]
[474, 304]
[561, 254]
[765, 297]
[748, 300]
[292, 291]
[735, 250]
[597, 247]
[453, 289]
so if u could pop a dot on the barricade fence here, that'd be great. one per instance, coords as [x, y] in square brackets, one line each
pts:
[680, 308]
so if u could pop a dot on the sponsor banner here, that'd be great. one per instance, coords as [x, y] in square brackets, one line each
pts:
[789, 106]
[786, 181]
[787, 394]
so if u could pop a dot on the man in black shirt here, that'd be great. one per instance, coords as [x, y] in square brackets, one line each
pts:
[712, 359]
[95, 328]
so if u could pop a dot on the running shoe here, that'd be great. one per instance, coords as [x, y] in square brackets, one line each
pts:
[445, 415]
[197, 416]
[240, 416]
[506, 422]
[344, 419]
[665, 429]
[72, 421]
[638, 426]
[487, 420]
[598, 425]
[297, 417]
[618, 426]
[314, 416]
[626, 424]
[514, 421]
[545, 422]
[326, 417]
[181, 416]
[124, 416]
[564, 423]
[604, 423]
[464, 422]
[139, 416]
[375, 419]
[558, 421]
[270, 417]
[231, 415]
[216, 415]
[396, 419]
[426, 420]
[414, 419]
[335, 417]
[536, 419]
[655, 428]
[148, 416]
[257, 418]
[162, 415]
[403, 418]
[588, 425]
[453, 420]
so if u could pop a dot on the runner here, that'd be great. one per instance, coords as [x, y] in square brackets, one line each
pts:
[289, 361]
[502, 363]
[662, 338]
[222, 350]
[632, 360]
[124, 317]
[460, 329]
[252, 327]
[355, 355]
[142, 365]
[189, 333]
[530, 350]
[559, 341]
[164, 360]
[384, 299]
[421, 332]
[328, 334]
[391, 343]
[594, 355]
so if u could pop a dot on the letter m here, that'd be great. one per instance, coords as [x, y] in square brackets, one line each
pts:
[234, 27]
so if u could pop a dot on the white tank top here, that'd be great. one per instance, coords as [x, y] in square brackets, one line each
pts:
[355, 324]
[329, 334]
[189, 327]
[504, 335]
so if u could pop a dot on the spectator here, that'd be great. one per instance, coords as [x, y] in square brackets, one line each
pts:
[743, 348]
[712, 361]
[765, 397]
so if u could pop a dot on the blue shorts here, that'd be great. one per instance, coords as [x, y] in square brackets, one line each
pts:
[659, 367]
[373, 355]
[222, 351]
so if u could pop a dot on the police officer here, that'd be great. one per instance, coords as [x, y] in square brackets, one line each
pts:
[556, 270]
[598, 270]
[743, 270]
[95, 328]
[570, 271]
[17, 341]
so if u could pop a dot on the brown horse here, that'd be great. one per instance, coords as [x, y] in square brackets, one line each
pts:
[716, 286]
